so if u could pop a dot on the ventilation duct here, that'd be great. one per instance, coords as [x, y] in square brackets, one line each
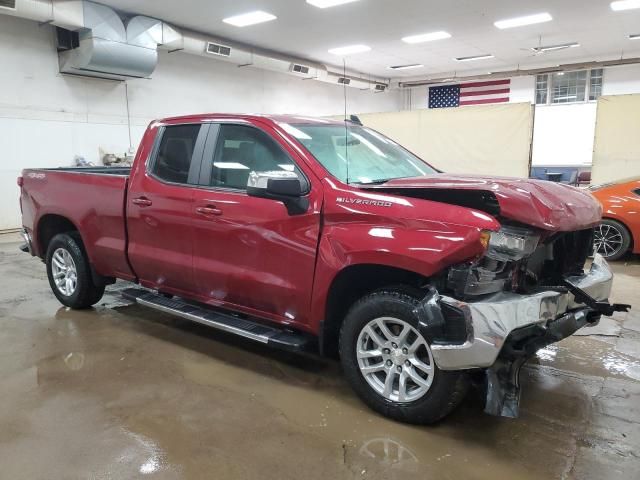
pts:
[108, 47]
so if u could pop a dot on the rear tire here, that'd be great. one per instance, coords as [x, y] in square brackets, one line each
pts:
[69, 273]
[612, 240]
[427, 393]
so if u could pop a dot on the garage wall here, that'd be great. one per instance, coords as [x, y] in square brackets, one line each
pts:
[616, 152]
[563, 134]
[483, 139]
[47, 118]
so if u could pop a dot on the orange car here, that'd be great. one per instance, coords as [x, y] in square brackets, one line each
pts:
[619, 231]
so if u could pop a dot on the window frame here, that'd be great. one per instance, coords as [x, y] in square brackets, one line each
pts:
[196, 155]
[210, 149]
[549, 88]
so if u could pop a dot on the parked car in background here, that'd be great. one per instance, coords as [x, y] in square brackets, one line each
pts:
[619, 231]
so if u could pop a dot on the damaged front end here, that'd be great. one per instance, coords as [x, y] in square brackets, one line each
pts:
[528, 291]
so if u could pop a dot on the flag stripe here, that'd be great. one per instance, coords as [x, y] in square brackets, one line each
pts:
[484, 92]
[485, 84]
[483, 101]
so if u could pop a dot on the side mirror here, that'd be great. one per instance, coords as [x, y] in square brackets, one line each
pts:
[281, 185]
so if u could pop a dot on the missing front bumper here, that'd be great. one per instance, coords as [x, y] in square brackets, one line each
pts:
[506, 329]
[491, 320]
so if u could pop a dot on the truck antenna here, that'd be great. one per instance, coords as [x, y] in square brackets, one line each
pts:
[346, 125]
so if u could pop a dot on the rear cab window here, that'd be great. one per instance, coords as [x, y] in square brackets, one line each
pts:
[175, 153]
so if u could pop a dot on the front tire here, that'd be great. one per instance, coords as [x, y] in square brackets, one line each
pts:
[389, 363]
[69, 273]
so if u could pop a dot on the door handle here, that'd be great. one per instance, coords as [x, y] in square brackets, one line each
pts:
[142, 201]
[209, 210]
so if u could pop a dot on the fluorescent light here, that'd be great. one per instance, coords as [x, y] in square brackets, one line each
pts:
[550, 48]
[328, 3]
[522, 21]
[250, 18]
[625, 5]
[635, 36]
[349, 50]
[406, 67]
[426, 37]
[474, 57]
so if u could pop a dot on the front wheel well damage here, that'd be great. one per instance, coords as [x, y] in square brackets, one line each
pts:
[352, 283]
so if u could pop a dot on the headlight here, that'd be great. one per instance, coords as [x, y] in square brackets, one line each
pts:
[512, 243]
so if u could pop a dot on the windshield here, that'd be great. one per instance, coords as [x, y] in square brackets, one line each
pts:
[357, 154]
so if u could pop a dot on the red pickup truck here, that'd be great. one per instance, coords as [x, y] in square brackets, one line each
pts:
[317, 235]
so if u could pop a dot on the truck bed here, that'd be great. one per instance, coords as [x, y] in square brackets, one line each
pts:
[93, 199]
[120, 171]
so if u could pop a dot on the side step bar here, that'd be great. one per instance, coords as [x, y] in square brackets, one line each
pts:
[247, 328]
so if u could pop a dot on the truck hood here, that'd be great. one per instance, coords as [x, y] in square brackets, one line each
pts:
[542, 204]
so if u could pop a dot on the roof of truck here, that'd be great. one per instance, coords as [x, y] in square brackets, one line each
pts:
[291, 119]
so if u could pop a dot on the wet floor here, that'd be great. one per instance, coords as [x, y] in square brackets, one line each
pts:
[124, 392]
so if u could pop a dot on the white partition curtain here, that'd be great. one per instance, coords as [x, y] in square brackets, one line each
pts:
[616, 152]
[484, 139]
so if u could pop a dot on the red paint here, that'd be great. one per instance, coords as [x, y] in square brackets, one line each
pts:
[248, 254]
[546, 205]
[484, 92]
[621, 202]
[483, 101]
[485, 84]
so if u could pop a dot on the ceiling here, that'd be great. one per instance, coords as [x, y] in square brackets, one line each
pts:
[308, 32]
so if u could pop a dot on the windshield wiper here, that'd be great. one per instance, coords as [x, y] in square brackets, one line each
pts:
[380, 181]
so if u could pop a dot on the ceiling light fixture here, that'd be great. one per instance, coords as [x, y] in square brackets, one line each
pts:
[349, 50]
[474, 57]
[625, 5]
[250, 18]
[635, 36]
[406, 67]
[522, 21]
[329, 3]
[426, 37]
[550, 48]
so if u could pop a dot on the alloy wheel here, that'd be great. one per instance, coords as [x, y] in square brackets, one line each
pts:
[64, 272]
[395, 359]
[608, 240]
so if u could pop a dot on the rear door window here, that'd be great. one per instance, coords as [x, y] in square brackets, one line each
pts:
[175, 153]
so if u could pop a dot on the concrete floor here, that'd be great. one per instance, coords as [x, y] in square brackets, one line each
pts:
[121, 391]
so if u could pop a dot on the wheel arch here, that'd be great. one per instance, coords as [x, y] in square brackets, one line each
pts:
[350, 284]
[50, 225]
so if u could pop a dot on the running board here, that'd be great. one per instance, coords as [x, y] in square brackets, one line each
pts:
[247, 328]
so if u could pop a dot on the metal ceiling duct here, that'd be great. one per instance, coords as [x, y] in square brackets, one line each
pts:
[112, 48]
[109, 50]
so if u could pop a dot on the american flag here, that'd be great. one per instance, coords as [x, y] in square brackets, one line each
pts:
[470, 93]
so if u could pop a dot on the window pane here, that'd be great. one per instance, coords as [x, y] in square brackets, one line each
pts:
[595, 84]
[242, 150]
[567, 87]
[541, 88]
[174, 155]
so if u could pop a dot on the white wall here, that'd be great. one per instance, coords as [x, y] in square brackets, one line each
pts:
[563, 134]
[47, 118]
[621, 80]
